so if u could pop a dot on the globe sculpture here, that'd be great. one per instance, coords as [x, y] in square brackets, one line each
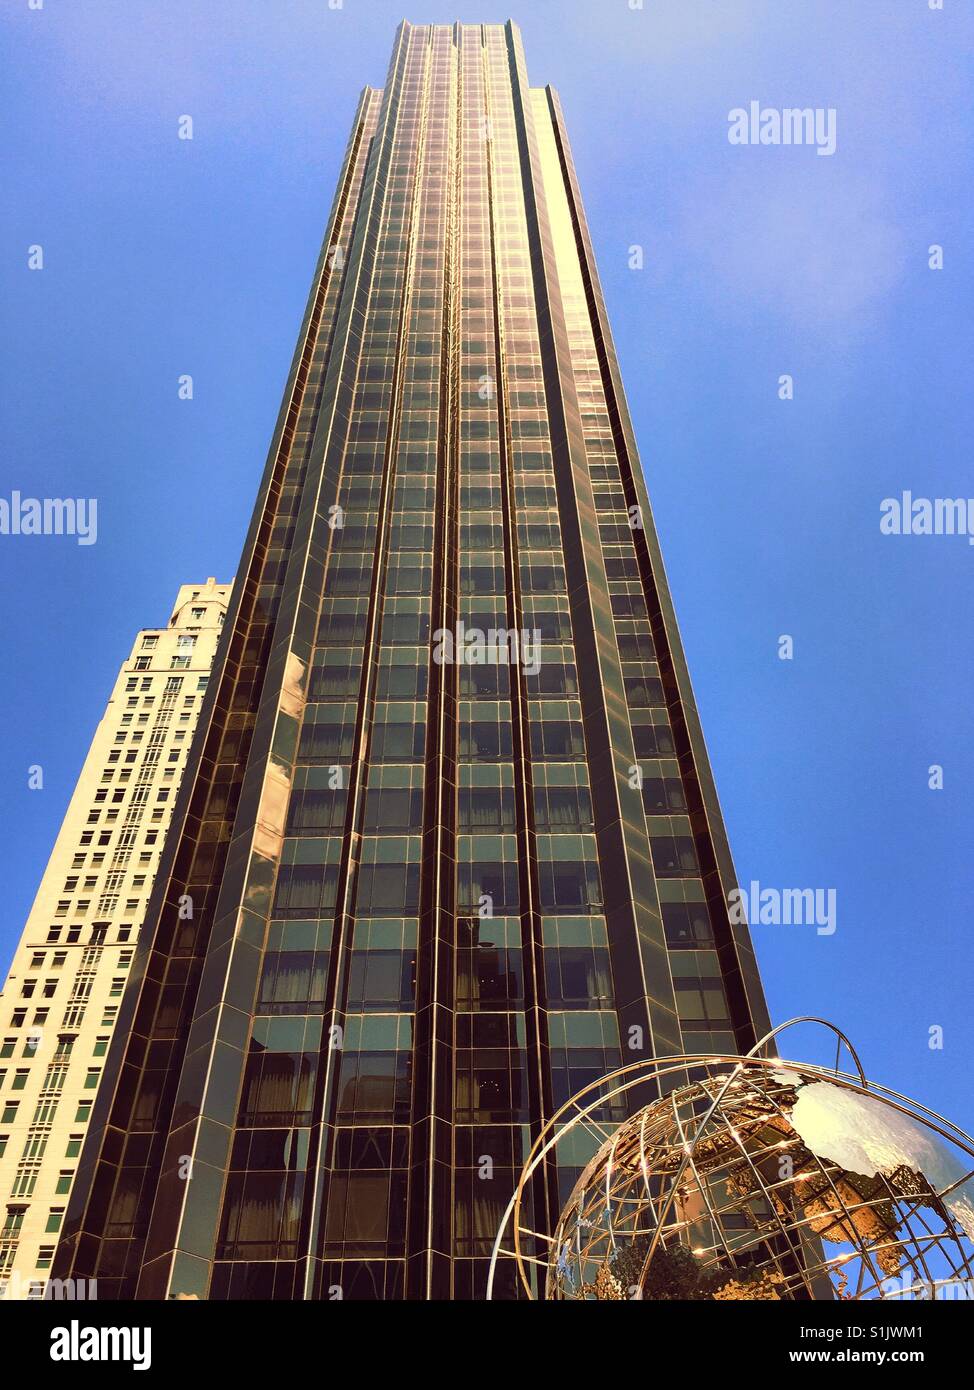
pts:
[745, 1177]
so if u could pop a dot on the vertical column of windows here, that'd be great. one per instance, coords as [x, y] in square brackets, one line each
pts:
[575, 985]
[318, 873]
[700, 994]
[385, 477]
[490, 1091]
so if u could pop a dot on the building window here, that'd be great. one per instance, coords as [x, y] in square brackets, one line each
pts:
[701, 1001]
[12, 1222]
[663, 794]
[674, 856]
[687, 926]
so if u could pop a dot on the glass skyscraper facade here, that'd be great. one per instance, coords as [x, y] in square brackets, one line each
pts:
[422, 883]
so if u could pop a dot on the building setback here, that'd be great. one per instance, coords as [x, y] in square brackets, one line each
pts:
[60, 1003]
[432, 897]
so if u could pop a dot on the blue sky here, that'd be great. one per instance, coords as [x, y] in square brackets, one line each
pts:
[165, 257]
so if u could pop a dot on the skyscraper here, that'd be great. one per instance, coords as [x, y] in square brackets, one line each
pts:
[450, 839]
[60, 1003]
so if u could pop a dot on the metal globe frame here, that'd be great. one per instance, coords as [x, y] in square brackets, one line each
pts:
[710, 1128]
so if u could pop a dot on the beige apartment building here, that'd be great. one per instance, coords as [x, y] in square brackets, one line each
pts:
[61, 998]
